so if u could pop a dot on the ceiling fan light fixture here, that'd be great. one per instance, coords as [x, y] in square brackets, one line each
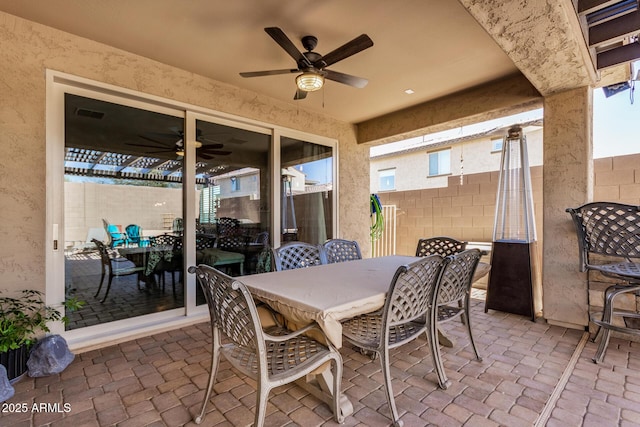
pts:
[309, 81]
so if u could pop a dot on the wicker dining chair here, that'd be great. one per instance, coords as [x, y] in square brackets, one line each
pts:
[339, 250]
[298, 255]
[443, 246]
[453, 294]
[273, 357]
[409, 302]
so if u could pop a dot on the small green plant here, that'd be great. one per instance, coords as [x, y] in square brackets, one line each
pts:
[22, 318]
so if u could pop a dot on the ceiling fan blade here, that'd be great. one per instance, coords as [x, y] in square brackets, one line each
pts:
[300, 94]
[162, 143]
[347, 79]
[218, 152]
[281, 38]
[213, 146]
[146, 145]
[356, 45]
[268, 73]
[205, 156]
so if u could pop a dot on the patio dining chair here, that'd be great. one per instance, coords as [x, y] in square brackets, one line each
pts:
[609, 251]
[298, 255]
[271, 357]
[339, 250]
[134, 233]
[172, 264]
[115, 235]
[110, 266]
[443, 246]
[453, 295]
[410, 300]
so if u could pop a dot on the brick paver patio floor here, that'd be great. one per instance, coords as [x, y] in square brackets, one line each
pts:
[531, 375]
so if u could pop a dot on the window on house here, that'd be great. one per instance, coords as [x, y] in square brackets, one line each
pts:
[235, 184]
[440, 162]
[387, 179]
[496, 145]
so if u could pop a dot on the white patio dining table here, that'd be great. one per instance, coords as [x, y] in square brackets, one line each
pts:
[328, 294]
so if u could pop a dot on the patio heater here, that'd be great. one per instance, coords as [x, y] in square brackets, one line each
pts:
[289, 226]
[513, 280]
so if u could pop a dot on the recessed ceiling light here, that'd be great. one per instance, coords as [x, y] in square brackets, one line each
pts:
[409, 91]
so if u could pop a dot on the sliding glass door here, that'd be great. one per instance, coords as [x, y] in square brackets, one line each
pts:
[307, 208]
[140, 188]
[123, 209]
[233, 225]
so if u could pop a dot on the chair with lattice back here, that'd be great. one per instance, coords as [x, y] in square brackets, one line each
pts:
[409, 302]
[609, 242]
[298, 255]
[271, 357]
[170, 260]
[340, 250]
[114, 267]
[226, 226]
[443, 246]
[453, 294]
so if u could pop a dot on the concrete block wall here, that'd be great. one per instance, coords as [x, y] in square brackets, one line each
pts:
[464, 211]
[467, 211]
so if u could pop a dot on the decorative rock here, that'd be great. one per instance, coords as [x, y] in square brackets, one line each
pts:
[6, 389]
[49, 356]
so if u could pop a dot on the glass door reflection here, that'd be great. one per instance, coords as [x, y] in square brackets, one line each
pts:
[233, 224]
[306, 191]
[123, 210]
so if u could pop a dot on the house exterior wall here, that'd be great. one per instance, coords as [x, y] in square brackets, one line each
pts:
[29, 49]
[477, 157]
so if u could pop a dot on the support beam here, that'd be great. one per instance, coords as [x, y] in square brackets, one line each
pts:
[496, 99]
[544, 40]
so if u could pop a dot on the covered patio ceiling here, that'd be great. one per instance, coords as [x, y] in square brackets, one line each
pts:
[434, 48]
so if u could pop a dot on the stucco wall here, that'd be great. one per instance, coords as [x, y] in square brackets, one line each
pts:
[28, 49]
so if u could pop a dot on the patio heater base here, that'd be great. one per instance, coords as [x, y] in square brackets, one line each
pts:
[512, 279]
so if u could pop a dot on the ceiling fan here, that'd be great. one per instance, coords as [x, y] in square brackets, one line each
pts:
[205, 148]
[312, 65]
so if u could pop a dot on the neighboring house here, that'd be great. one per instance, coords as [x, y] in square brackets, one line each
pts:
[430, 165]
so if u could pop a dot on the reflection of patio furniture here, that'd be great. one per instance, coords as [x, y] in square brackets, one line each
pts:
[454, 286]
[115, 235]
[227, 226]
[340, 250]
[109, 265]
[216, 257]
[271, 358]
[298, 255]
[178, 226]
[162, 261]
[409, 301]
[608, 240]
[153, 259]
[134, 233]
[443, 246]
